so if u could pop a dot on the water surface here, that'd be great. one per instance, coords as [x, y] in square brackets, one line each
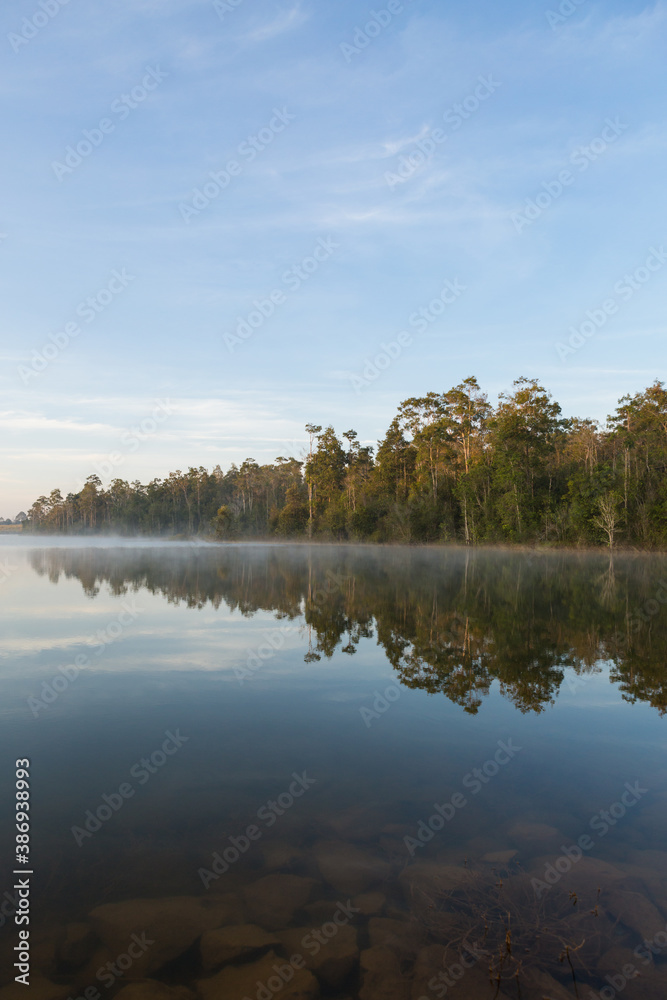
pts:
[421, 736]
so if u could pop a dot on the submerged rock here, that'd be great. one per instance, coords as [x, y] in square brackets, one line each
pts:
[635, 911]
[439, 972]
[405, 938]
[274, 900]
[431, 961]
[382, 978]
[347, 867]
[226, 944]
[87, 973]
[274, 974]
[370, 903]
[331, 959]
[499, 857]
[617, 957]
[654, 861]
[281, 855]
[151, 989]
[425, 881]
[320, 911]
[584, 877]
[39, 989]
[155, 931]
[545, 985]
[45, 941]
[528, 834]
[77, 946]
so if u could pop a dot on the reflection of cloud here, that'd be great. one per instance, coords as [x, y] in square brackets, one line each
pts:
[217, 649]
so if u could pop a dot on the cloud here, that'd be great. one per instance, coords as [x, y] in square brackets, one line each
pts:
[623, 33]
[14, 420]
[287, 20]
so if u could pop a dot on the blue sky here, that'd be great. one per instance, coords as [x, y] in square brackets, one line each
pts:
[349, 187]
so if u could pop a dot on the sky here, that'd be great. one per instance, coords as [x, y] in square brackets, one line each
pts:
[223, 220]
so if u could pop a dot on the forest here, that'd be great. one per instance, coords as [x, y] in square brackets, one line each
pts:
[451, 468]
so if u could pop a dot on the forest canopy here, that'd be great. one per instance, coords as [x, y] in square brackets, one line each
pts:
[450, 468]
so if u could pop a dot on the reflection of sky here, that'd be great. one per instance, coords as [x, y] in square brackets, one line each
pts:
[174, 668]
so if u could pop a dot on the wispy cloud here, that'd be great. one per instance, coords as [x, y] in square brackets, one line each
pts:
[287, 20]
[36, 422]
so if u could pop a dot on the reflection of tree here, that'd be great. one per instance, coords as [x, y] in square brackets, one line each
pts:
[642, 681]
[450, 622]
[450, 662]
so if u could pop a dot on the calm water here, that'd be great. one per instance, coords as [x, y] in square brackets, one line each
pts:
[274, 729]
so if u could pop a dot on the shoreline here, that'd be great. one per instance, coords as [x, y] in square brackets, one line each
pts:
[211, 541]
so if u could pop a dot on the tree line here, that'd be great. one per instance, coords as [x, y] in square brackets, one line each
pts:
[450, 468]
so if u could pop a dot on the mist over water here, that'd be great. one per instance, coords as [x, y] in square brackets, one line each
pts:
[471, 711]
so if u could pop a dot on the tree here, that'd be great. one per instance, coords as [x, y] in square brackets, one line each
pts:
[223, 521]
[325, 472]
[523, 435]
[426, 419]
[608, 518]
[468, 411]
[395, 464]
[449, 467]
[89, 501]
[312, 430]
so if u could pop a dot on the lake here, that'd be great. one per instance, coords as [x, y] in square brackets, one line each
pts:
[298, 771]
